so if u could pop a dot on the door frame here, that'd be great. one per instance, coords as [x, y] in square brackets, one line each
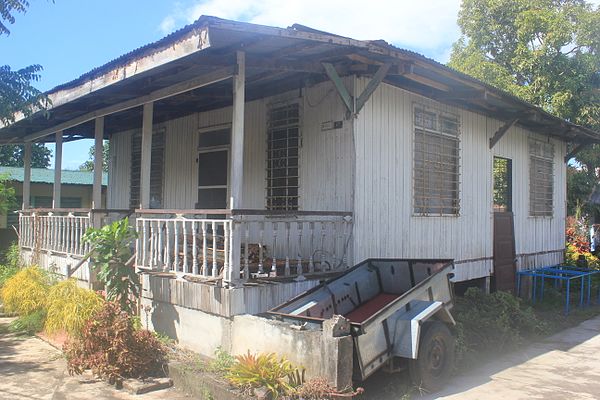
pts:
[227, 186]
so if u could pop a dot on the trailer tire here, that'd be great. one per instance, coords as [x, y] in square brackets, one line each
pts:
[433, 366]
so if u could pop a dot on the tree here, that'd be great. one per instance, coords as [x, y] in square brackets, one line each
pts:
[12, 155]
[7, 195]
[89, 164]
[17, 94]
[546, 52]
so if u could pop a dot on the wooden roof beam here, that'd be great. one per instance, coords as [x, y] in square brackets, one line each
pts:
[502, 131]
[371, 86]
[340, 87]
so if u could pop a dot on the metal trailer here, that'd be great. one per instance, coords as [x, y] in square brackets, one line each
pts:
[397, 308]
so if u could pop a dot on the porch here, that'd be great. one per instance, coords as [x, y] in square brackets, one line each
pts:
[208, 246]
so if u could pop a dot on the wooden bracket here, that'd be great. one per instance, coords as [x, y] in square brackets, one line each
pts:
[371, 86]
[339, 85]
[578, 147]
[500, 132]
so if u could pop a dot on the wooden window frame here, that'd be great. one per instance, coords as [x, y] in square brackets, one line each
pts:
[290, 202]
[425, 202]
[541, 184]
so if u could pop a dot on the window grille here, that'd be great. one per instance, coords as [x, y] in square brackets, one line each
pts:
[283, 150]
[436, 163]
[541, 178]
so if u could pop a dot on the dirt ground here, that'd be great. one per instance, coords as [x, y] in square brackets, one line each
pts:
[32, 369]
[565, 365]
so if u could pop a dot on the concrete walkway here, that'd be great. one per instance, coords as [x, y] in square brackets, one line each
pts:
[32, 369]
[563, 366]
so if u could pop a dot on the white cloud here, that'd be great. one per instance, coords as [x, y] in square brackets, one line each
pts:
[426, 26]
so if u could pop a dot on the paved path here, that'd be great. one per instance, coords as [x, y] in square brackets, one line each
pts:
[32, 369]
[563, 366]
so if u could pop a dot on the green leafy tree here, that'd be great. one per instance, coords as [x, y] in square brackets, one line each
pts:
[546, 52]
[17, 94]
[89, 164]
[12, 155]
[7, 195]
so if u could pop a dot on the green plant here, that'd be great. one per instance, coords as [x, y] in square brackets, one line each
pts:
[113, 349]
[70, 307]
[12, 256]
[222, 362]
[111, 251]
[26, 291]
[493, 321]
[277, 375]
[29, 323]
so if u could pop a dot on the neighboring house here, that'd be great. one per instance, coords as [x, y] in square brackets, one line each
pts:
[260, 160]
[76, 194]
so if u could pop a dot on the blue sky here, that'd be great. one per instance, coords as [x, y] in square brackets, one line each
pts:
[70, 37]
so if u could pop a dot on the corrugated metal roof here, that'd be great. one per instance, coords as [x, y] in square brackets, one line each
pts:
[43, 175]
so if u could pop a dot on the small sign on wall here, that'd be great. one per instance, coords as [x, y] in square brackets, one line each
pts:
[331, 125]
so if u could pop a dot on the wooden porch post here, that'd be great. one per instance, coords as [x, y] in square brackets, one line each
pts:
[237, 165]
[57, 170]
[146, 155]
[27, 176]
[98, 144]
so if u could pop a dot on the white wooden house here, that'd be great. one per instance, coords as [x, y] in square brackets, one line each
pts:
[255, 160]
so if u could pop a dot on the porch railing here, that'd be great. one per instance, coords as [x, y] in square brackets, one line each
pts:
[55, 230]
[256, 242]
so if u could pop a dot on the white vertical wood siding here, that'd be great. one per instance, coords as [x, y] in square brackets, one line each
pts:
[384, 222]
[119, 170]
[326, 157]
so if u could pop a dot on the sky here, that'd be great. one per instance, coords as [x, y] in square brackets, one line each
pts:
[71, 37]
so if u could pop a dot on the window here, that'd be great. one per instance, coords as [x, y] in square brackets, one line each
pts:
[436, 162]
[213, 168]
[283, 146]
[502, 174]
[541, 178]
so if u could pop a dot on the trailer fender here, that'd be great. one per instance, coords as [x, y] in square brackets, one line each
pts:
[408, 326]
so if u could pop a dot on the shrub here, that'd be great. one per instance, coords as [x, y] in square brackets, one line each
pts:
[113, 349]
[70, 307]
[30, 323]
[493, 321]
[6, 272]
[222, 362]
[26, 291]
[277, 375]
[111, 252]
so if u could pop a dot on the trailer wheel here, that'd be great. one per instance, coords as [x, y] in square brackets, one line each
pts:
[432, 368]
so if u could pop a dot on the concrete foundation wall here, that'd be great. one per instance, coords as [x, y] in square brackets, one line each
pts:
[317, 350]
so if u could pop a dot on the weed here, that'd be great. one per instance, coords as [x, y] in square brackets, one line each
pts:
[29, 323]
[222, 362]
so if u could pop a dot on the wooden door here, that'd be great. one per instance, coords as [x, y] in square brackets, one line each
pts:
[504, 251]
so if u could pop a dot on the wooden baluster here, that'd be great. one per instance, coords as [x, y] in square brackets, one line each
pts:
[78, 233]
[273, 250]
[323, 234]
[185, 247]
[176, 254]
[204, 251]
[226, 249]
[260, 247]
[153, 244]
[194, 247]
[287, 249]
[334, 245]
[215, 267]
[246, 255]
[311, 264]
[145, 243]
[137, 244]
[345, 244]
[299, 272]
[159, 250]
[168, 246]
